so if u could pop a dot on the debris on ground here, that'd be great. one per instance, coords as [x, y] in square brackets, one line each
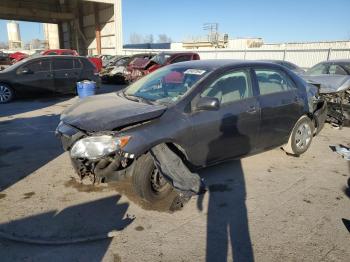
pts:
[342, 150]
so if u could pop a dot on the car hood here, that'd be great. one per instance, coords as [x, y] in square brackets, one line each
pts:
[329, 83]
[109, 112]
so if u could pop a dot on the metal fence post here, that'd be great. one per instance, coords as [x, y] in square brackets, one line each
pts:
[284, 54]
[329, 53]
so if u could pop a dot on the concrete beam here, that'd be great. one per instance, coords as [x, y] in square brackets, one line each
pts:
[101, 1]
[11, 13]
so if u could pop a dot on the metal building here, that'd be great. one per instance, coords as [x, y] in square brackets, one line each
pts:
[89, 26]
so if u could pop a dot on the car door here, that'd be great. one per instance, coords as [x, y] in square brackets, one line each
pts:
[65, 74]
[281, 106]
[35, 76]
[232, 130]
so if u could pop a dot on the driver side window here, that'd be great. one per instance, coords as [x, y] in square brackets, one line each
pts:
[230, 87]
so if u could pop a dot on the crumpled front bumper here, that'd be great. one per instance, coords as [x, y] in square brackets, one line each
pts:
[105, 169]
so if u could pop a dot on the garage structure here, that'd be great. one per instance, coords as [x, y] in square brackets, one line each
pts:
[91, 27]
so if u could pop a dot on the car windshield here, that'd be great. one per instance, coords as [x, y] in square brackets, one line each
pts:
[160, 58]
[166, 85]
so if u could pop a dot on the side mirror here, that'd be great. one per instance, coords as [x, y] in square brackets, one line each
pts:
[208, 103]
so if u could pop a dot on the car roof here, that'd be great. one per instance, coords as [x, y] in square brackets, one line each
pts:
[213, 64]
[178, 53]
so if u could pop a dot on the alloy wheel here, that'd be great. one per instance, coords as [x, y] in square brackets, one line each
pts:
[303, 136]
[5, 94]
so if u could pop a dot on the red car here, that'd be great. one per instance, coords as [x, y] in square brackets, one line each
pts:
[17, 56]
[60, 52]
[95, 60]
[143, 67]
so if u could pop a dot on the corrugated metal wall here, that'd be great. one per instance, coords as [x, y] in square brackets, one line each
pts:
[305, 58]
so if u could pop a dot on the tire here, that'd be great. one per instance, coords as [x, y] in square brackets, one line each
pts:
[145, 178]
[6, 93]
[301, 137]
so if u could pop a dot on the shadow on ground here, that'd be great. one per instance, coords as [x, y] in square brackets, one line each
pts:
[26, 144]
[77, 224]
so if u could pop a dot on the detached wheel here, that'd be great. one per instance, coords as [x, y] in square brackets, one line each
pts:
[148, 183]
[300, 137]
[6, 93]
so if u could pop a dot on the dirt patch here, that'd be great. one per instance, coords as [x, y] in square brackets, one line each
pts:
[28, 195]
[81, 187]
[125, 188]
[139, 228]
[2, 196]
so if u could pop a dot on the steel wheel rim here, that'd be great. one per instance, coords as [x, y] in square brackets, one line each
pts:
[303, 136]
[158, 182]
[5, 93]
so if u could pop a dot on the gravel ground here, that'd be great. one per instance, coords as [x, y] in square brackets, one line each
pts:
[267, 207]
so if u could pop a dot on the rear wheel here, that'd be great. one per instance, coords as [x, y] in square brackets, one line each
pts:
[300, 137]
[148, 183]
[6, 93]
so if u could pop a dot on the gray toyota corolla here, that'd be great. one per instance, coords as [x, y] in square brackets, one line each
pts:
[205, 112]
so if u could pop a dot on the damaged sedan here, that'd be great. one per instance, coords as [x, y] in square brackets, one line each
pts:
[333, 80]
[187, 116]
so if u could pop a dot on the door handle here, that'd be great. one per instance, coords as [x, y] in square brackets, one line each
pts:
[251, 110]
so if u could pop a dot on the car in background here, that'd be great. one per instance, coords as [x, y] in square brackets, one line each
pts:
[146, 66]
[43, 74]
[118, 68]
[330, 67]
[95, 60]
[293, 67]
[4, 60]
[17, 56]
[60, 52]
[220, 110]
[332, 77]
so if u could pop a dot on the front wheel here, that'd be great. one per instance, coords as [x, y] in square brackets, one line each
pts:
[147, 181]
[300, 137]
[6, 93]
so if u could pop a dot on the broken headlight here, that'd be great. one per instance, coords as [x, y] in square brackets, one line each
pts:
[95, 147]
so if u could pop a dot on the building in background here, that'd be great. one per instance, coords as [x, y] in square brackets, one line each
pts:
[14, 35]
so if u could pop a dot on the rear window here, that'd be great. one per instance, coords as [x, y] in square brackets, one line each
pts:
[273, 81]
[62, 64]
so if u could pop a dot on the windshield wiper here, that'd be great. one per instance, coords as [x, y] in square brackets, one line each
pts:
[137, 98]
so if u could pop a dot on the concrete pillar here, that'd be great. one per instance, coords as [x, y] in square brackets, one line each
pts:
[118, 27]
[51, 34]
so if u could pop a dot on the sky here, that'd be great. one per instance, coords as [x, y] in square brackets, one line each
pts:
[272, 20]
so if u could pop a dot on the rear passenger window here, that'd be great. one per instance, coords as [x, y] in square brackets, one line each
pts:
[230, 87]
[273, 81]
[62, 64]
